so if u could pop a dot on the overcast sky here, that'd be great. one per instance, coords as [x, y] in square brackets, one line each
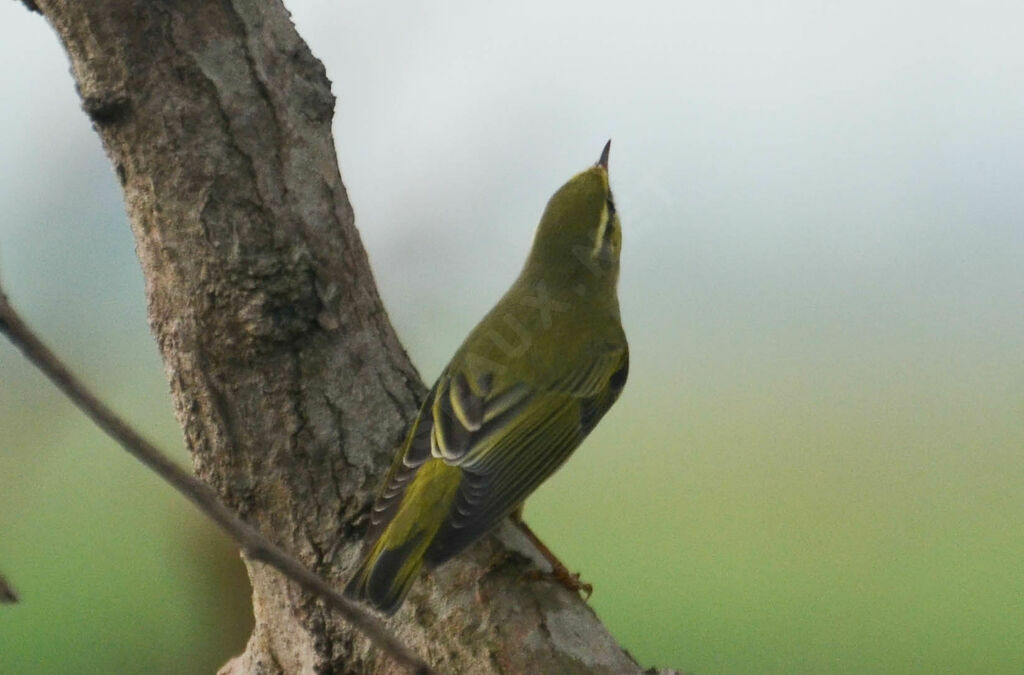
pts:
[863, 162]
[805, 159]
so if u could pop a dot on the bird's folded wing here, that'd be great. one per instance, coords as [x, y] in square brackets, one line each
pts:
[506, 441]
[513, 451]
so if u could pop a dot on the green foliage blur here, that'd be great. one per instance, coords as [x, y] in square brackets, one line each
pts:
[115, 572]
[816, 463]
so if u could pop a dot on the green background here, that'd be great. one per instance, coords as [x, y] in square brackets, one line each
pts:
[816, 465]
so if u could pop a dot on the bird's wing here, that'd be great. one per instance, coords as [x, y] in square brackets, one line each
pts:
[507, 442]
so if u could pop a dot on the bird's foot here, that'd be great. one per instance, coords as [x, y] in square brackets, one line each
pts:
[559, 574]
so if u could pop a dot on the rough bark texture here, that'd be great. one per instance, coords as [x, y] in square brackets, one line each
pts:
[286, 374]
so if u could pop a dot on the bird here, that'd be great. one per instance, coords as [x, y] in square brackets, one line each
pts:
[524, 389]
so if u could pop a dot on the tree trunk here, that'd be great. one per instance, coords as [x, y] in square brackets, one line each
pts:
[286, 374]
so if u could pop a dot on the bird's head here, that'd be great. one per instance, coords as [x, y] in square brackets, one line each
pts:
[580, 229]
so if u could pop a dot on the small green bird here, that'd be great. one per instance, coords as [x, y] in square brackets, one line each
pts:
[524, 389]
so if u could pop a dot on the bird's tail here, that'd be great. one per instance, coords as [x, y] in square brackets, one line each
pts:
[395, 558]
[388, 572]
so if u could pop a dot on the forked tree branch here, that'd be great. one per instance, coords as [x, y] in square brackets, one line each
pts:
[252, 543]
[285, 372]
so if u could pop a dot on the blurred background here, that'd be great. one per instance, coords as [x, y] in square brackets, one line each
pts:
[817, 463]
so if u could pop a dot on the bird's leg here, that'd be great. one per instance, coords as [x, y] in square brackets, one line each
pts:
[559, 572]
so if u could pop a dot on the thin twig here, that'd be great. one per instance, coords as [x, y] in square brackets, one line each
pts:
[7, 594]
[252, 543]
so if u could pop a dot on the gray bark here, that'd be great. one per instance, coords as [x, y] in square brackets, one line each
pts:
[287, 377]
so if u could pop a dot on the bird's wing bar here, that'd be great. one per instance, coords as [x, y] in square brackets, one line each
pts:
[530, 441]
[509, 466]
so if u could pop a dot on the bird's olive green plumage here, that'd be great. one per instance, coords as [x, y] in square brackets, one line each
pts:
[524, 389]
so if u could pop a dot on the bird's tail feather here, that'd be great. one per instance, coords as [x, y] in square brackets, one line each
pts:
[386, 575]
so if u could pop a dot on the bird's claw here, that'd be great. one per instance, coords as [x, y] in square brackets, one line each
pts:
[561, 575]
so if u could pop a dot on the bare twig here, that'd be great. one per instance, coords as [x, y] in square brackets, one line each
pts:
[7, 594]
[252, 543]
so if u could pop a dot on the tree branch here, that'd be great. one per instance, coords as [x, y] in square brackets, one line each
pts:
[252, 543]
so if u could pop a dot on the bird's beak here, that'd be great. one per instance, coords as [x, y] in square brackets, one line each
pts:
[603, 162]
